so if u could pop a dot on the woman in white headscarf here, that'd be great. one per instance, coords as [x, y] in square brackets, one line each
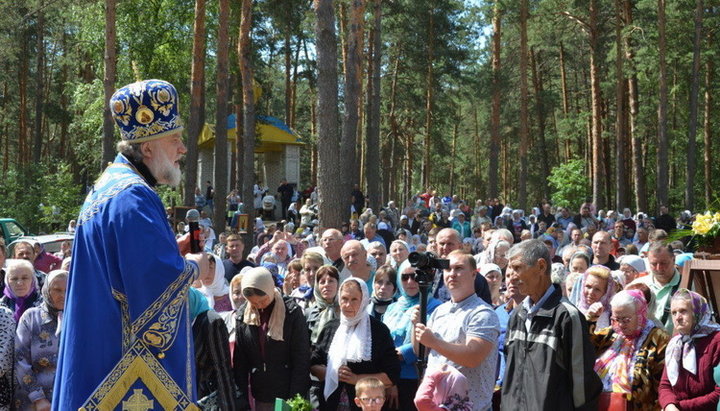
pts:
[214, 286]
[352, 347]
[272, 347]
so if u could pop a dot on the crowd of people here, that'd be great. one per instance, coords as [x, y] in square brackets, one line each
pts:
[550, 310]
[591, 302]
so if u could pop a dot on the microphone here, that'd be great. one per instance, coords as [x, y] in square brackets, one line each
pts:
[193, 218]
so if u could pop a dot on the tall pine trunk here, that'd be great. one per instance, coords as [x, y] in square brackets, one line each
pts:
[524, 130]
[110, 61]
[620, 112]
[333, 198]
[662, 142]
[372, 163]
[221, 114]
[707, 127]
[247, 154]
[39, 85]
[429, 103]
[693, 120]
[495, 115]
[596, 102]
[352, 99]
[196, 119]
[565, 99]
[540, 112]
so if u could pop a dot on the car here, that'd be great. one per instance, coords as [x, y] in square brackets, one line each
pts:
[50, 242]
[11, 230]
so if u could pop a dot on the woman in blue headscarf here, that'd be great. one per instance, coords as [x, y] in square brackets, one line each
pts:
[397, 319]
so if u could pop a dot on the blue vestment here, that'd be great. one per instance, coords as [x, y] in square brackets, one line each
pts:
[126, 339]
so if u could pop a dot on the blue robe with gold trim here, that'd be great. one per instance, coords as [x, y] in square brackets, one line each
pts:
[126, 339]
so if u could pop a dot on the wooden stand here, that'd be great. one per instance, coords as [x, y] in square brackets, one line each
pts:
[703, 277]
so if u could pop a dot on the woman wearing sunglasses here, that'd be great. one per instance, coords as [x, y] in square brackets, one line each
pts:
[397, 318]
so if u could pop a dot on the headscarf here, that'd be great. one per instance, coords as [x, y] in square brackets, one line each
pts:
[615, 365]
[198, 303]
[327, 310]
[397, 316]
[681, 348]
[21, 303]
[579, 297]
[451, 388]
[219, 286]
[261, 279]
[54, 312]
[352, 341]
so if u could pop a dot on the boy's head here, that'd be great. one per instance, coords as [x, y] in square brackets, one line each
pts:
[369, 394]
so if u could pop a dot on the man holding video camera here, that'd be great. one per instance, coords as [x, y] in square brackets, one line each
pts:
[462, 331]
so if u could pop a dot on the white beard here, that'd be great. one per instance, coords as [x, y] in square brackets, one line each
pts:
[165, 171]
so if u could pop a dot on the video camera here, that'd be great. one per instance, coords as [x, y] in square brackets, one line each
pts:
[425, 265]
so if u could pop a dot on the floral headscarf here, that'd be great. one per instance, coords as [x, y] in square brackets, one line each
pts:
[579, 297]
[681, 348]
[615, 365]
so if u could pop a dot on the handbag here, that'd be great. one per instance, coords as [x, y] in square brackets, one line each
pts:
[612, 401]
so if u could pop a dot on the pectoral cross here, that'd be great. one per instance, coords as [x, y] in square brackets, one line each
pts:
[138, 402]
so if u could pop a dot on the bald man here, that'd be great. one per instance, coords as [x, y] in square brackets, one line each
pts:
[354, 256]
[447, 241]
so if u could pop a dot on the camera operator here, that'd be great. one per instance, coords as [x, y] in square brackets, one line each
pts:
[447, 241]
[462, 332]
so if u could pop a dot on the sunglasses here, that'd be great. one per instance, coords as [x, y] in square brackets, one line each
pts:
[406, 277]
[252, 292]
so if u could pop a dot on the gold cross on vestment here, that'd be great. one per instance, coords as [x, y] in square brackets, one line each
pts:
[138, 402]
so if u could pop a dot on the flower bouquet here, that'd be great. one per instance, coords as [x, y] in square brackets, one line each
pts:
[705, 232]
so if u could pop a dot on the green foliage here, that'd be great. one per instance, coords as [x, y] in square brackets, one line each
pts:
[570, 184]
[299, 403]
[170, 196]
[42, 197]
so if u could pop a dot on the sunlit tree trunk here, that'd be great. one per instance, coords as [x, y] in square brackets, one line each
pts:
[694, 97]
[351, 98]
[495, 115]
[372, 163]
[247, 154]
[662, 142]
[333, 198]
[196, 118]
[221, 114]
[39, 85]
[709, 71]
[524, 129]
[540, 112]
[620, 112]
[596, 97]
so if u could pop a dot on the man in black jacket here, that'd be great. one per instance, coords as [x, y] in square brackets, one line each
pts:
[549, 355]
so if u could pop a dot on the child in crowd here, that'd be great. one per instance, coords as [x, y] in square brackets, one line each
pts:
[369, 394]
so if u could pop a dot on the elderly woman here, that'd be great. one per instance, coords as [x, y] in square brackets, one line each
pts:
[631, 353]
[399, 252]
[7, 348]
[692, 354]
[325, 308]
[397, 318]
[495, 253]
[214, 287]
[592, 294]
[353, 347]
[21, 291]
[631, 266]
[272, 347]
[36, 346]
[493, 275]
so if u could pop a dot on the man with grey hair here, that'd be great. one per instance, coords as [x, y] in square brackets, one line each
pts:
[549, 356]
[126, 326]
[663, 281]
